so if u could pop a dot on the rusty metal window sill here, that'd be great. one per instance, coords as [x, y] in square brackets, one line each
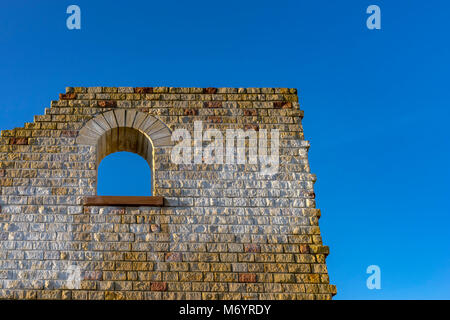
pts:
[124, 201]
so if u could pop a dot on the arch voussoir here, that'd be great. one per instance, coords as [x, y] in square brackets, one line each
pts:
[130, 116]
[94, 127]
[99, 126]
[111, 119]
[147, 123]
[165, 141]
[120, 117]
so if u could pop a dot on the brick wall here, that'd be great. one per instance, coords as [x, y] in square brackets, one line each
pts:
[224, 232]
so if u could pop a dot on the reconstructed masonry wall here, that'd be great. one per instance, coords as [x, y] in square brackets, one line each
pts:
[225, 231]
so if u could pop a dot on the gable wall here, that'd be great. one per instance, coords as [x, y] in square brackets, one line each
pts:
[224, 232]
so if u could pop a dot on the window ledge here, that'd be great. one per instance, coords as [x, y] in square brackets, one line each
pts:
[124, 201]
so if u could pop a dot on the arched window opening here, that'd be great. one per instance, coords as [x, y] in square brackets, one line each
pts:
[124, 174]
[125, 131]
[120, 142]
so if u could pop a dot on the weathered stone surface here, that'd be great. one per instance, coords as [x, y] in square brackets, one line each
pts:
[67, 96]
[210, 90]
[247, 277]
[213, 104]
[18, 141]
[107, 103]
[143, 90]
[226, 231]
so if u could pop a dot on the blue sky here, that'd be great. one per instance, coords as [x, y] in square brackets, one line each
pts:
[376, 105]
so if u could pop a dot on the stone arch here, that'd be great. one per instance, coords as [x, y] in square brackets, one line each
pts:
[125, 130]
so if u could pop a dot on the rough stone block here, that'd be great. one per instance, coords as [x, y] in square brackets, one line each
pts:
[247, 277]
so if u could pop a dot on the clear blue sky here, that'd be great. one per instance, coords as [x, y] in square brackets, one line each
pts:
[376, 104]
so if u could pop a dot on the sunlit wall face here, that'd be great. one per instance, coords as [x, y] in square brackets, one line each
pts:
[376, 105]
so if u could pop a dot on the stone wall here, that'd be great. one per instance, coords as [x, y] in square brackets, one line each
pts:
[225, 231]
